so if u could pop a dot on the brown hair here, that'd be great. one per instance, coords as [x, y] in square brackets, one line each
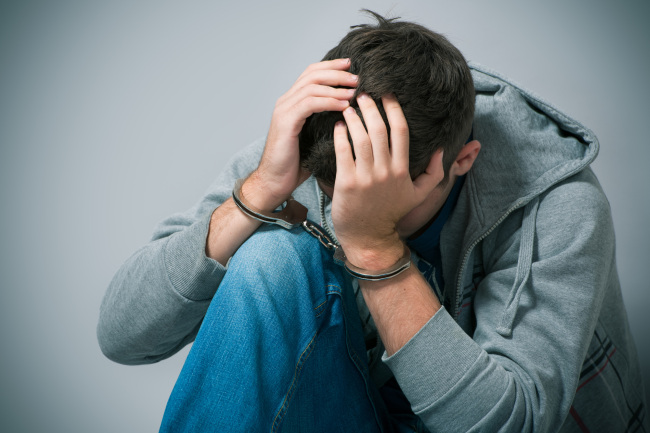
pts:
[427, 74]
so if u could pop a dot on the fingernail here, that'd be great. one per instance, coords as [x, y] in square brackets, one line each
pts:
[339, 124]
[346, 61]
[349, 110]
[363, 96]
[354, 77]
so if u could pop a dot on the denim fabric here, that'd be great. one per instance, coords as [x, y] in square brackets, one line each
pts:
[570, 360]
[280, 348]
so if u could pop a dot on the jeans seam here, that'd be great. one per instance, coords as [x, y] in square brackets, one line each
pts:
[292, 388]
[357, 361]
[319, 309]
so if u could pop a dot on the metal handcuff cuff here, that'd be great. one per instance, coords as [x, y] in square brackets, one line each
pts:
[294, 214]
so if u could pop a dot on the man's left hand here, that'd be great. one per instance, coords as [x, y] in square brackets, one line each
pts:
[373, 192]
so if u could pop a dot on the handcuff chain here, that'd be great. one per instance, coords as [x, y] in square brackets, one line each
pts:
[294, 214]
[318, 233]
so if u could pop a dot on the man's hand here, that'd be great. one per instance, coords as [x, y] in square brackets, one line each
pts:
[279, 172]
[324, 86]
[375, 191]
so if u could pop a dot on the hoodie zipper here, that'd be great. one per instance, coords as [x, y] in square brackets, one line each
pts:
[461, 270]
[323, 220]
[459, 292]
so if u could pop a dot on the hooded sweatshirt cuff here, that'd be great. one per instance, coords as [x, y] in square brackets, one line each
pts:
[428, 366]
[192, 274]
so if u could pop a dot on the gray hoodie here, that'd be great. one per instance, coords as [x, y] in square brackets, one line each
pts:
[533, 335]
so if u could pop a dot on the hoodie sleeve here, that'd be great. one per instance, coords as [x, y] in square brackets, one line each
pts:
[157, 299]
[522, 376]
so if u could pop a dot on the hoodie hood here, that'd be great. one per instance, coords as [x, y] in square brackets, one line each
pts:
[527, 146]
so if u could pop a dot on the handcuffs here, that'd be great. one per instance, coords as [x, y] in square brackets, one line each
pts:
[294, 214]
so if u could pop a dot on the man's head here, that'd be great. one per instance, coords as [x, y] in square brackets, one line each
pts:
[427, 74]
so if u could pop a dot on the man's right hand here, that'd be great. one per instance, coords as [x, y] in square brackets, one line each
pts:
[324, 86]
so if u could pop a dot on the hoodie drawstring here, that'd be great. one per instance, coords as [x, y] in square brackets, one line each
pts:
[524, 265]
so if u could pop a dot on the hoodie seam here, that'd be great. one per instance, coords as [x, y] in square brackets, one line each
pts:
[476, 201]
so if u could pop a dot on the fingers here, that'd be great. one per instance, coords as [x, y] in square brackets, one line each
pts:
[328, 73]
[376, 128]
[371, 143]
[431, 177]
[336, 64]
[399, 131]
[324, 86]
[326, 91]
[338, 81]
[316, 98]
[360, 139]
[328, 77]
[344, 157]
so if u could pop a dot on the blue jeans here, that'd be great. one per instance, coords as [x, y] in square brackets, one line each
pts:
[281, 349]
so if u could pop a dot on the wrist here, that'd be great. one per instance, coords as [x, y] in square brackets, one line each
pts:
[377, 255]
[257, 193]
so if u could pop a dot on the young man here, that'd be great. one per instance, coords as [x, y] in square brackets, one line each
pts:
[486, 296]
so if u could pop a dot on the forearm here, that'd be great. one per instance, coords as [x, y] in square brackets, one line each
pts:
[158, 297]
[400, 306]
[230, 227]
[439, 367]
[454, 385]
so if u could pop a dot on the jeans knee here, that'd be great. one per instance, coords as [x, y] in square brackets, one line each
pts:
[274, 259]
[275, 247]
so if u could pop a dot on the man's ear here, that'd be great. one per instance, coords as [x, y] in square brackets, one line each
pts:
[465, 158]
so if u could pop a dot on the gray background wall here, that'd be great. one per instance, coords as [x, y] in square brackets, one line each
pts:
[114, 115]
